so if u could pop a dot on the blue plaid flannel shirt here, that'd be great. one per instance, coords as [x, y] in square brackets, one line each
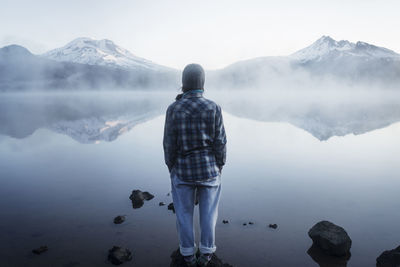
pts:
[194, 137]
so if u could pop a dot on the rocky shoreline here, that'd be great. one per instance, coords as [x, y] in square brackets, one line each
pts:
[331, 243]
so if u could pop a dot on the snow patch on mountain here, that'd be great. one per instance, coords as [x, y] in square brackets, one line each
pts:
[327, 47]
[100, 52]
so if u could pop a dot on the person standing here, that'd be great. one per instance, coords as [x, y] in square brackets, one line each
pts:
[195, 152]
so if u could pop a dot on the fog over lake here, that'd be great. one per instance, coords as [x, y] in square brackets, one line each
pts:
[69, 161]
[104, 115]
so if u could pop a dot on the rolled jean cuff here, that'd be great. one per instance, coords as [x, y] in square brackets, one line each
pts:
[207, 250]
[187, 251]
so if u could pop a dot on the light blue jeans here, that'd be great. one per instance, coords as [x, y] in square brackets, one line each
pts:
[183, 195]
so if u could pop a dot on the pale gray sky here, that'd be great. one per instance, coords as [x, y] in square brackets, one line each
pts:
[214, 33]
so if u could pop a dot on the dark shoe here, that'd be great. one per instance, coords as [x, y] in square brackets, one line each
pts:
[190, 260]
[204, 259]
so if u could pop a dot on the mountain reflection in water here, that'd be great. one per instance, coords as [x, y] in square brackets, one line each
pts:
[91, 117]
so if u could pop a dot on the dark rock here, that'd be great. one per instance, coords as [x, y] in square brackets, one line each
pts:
[196, 198]
[171, 207]
[332, 239]
[147, 195]
[119, 219]
[178, 261]
[273, 226]
[138, 198]
[251, 223]
[40, 250]
[118, 255]
[244, 224]
[325, 260]
[225, 221]
[161, 204]
[389, 258]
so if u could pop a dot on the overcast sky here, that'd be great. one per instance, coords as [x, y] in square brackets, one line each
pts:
[214, 33]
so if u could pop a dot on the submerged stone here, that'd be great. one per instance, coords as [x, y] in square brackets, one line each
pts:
[118, 255]
[138, 197]
[40, 250]
[331, 238]
[389, 258]
[325, 260]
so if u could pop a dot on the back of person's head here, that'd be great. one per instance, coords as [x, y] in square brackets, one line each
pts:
[193, 77]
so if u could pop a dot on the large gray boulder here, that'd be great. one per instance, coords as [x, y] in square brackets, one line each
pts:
[389, 258]
[331, 238]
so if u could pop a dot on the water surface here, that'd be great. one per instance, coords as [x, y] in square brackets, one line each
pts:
[57, 191]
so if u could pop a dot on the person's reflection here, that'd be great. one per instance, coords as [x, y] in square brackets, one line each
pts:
[325, 260]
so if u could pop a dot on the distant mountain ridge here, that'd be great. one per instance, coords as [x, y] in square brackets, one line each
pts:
[319, 64]
[86, 63]
[356, 63]
[21, 70]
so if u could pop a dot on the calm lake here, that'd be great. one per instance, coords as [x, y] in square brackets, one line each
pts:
[64, 177]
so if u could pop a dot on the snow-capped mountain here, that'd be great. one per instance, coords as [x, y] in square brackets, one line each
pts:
[325, 60]
[100, 52]
[326, 47]
[355, 63]
[22, 70]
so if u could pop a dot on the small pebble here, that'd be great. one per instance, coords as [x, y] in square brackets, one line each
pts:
[161, 204]
[171, 207]
[273, 226]
[225, 221]
[119, 219]
[251, 223]
[40, 250]
[245, 224]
